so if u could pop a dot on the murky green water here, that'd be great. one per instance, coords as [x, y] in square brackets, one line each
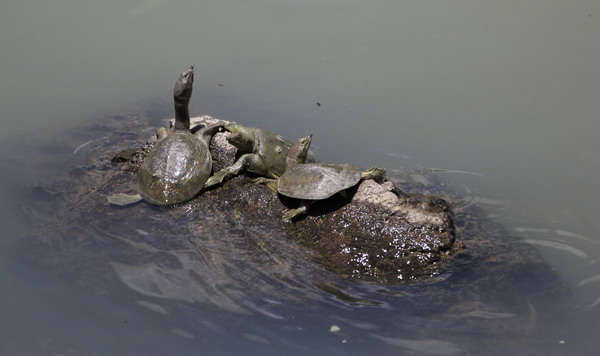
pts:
[502, 96]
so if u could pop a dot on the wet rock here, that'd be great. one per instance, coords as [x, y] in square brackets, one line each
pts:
[376, 233]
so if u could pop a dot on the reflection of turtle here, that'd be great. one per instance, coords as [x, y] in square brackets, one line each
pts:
[263, 153]
[316, 181]
[179, 164]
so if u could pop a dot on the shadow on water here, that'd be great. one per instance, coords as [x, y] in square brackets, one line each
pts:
[174, 279]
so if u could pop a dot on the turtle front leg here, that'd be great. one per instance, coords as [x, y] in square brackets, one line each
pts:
[123, 199]
[240, 165]
[375, 173]
[207, 132]
[161, 133]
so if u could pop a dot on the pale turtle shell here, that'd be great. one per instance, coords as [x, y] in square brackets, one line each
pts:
[316, 181]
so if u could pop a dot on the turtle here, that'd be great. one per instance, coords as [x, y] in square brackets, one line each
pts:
[311, 182]
[262, 152]
[179, 164]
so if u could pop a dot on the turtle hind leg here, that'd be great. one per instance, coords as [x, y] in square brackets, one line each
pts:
[269, 182]
[294, 214]
[299, 212]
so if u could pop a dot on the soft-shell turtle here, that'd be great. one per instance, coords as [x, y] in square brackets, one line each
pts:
[316, 181]
[262, 152]
[179, 164]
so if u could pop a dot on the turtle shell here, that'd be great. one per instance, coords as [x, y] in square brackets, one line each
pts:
[175, 169]
[317, 181]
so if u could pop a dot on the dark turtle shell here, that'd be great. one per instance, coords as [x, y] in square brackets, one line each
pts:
[317, 181]
[175, 169]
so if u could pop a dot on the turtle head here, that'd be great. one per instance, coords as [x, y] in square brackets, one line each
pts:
[242, 142]
[298, 153]
[182, 93]
[183, 87]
